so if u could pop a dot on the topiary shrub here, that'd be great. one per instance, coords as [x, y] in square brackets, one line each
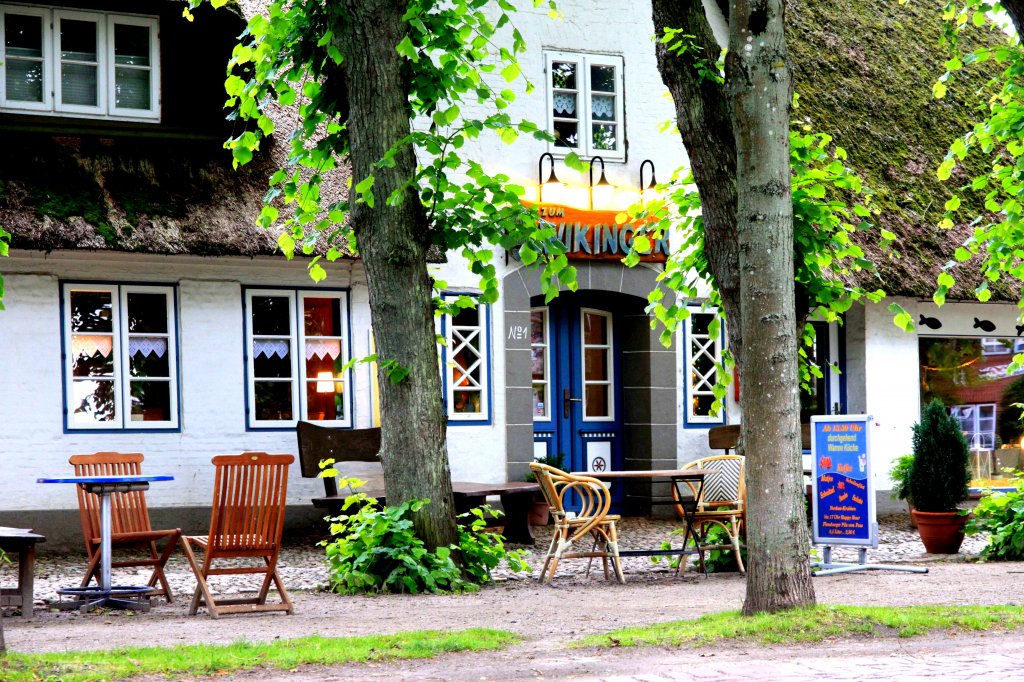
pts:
[939, 473]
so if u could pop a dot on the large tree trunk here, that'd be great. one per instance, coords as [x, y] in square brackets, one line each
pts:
[760, 88]
[393, 243]
[705, 125]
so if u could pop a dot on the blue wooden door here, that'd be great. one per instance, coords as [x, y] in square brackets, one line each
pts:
[577, 387]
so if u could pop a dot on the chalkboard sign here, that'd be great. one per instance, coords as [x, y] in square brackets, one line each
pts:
[844, 498]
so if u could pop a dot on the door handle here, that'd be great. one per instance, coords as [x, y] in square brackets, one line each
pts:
[566, 400]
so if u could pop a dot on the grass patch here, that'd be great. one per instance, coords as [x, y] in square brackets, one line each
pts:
[204, 659]
[813, 625]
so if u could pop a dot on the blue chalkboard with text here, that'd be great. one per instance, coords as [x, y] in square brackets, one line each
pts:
[843, 504]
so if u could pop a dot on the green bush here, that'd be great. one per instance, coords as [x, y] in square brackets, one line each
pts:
[1001, 515]
[939, 474]
[557, 461]
[715, 560]
[899, 473]
[375, 549]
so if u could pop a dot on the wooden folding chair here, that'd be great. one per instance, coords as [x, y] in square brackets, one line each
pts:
[722, 501]
[247, 521]
[130, 523]
[592, 521]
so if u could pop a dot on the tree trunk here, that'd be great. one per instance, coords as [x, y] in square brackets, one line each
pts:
[1015, 8]
[393, 243]
[705, 125]
[760, 88]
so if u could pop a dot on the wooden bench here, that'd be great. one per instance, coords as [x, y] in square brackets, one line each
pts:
[355, 451]
[23, 542]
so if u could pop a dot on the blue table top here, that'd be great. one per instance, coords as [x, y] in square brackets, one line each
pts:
[105, 479]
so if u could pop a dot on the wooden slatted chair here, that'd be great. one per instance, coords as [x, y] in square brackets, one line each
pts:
[247, 521]
[722, 500]
[130, 522]
[592, 521]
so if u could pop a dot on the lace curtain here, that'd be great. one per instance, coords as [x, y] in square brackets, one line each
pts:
[565, 103]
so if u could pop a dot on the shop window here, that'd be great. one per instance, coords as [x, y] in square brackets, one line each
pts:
[585, 111]
[703, 356]
[978, 423]
[466, 365]
[79, 63]
[540, 363]
[120, 350]
[297, 352]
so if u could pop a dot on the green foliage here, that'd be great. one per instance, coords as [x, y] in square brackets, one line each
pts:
[557, 461]
[459, 59]
[5, 238]
[715, 560]
[900, 473]
[830, 204]
[814, 624]
[1011, 426]
[375, 549]
[188, 661]
[997, 232]
[939, 473]
[1001, 515]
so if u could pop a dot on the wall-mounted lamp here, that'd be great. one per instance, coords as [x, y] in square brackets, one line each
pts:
[602, 193]
[654, 183]
[552, 182]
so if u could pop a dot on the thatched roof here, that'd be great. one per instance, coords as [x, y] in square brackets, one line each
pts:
[166, 189]
[864, 70]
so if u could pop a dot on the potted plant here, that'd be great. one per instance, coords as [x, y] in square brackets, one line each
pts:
[540, 510]
[899, 474]
[938, 478]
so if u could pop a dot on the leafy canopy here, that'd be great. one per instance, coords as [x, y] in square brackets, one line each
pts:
[996, 239]
[830, 204]
[461, 59]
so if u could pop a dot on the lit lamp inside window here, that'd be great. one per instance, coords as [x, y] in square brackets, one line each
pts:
[602, 195]
[325, 382]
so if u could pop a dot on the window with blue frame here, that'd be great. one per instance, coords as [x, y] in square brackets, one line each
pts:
[298, 347]
[120, 357]
[466, 364]
[703, 357]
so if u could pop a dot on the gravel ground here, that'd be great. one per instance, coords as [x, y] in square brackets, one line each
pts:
[302, 566]
[546, 617]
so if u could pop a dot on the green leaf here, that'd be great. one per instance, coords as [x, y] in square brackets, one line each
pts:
[962, 254]
[939, 90]
[511, 72]
[407, 49]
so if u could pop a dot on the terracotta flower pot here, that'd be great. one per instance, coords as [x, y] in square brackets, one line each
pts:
[941, 532]
[539, 512]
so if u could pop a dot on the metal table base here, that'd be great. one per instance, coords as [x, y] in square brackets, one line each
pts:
[86, 599]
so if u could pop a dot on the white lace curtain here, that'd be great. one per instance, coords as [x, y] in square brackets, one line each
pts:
[269, 348]
[323, 348]
[565, 103]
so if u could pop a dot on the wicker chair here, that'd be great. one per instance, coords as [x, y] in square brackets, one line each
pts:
[592, 521]
[722, 501]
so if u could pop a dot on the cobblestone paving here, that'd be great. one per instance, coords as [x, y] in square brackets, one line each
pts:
[303, 568]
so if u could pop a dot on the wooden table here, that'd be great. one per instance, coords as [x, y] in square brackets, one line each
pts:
[686, 499]
[516, 498]
[23, 542]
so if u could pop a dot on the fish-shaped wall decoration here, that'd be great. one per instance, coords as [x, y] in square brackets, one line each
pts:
[931, 322]
[984, 325]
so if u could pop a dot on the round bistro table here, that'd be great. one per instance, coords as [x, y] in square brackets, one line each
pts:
[106, 595]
